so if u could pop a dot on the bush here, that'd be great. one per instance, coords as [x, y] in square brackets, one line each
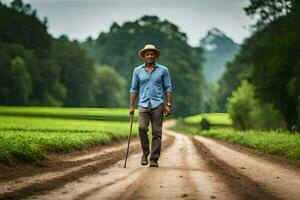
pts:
[248, 112]
[205, 124]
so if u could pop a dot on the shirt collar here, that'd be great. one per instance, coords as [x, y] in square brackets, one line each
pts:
[155, 65]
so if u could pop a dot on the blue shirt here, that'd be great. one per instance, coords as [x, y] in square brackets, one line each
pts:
[151, 86]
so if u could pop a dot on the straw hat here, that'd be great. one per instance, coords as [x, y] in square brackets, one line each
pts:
[149, 47]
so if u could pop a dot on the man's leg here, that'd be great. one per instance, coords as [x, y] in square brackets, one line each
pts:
[143, 129]
[156, 117]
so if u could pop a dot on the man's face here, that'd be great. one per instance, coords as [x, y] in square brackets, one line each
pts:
[149, 57]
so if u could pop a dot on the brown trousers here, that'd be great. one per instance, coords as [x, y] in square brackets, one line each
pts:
[154, 115]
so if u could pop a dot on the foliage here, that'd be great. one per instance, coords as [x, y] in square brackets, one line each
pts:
[20, 25]
[76, 72]
[21, 81]
[28, 41]
[268, 10]
[110, 87]
[205, 124]
[248, 112]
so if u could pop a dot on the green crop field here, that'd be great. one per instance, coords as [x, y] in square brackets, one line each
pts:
[103, 114]
[282, 143]
[27, 137]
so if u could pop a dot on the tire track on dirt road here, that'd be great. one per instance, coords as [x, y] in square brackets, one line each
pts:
[275, 180]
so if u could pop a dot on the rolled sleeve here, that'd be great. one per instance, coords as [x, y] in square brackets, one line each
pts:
[167, 86]
[134, 83]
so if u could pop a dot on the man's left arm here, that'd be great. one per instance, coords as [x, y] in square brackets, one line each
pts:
[167, 86]
[168, 96]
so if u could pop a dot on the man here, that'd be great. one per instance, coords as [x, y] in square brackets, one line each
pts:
[151, 81]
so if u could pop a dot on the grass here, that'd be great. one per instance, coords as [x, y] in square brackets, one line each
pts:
[216, 119]
[103, 114]
[281, 143]
[26, 138]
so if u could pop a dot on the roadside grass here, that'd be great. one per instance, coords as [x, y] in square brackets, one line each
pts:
[25, 139]
[284, 144]
[277, 142]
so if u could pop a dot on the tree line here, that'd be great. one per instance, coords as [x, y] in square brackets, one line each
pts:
[37, 69]
[261, 86]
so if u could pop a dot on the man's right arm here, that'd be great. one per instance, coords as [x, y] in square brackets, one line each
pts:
[132, 102]
[133, 91]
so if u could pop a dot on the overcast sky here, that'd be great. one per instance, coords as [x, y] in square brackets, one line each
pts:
[82, 18]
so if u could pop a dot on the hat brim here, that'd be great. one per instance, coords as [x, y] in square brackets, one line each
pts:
[142, 52]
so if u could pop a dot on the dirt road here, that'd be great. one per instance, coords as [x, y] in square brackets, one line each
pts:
[190, 168]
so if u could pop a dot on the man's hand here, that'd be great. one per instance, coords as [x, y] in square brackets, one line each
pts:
[167, 111]
[131, 111]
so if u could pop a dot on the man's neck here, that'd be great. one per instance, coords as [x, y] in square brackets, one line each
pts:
[150, 65]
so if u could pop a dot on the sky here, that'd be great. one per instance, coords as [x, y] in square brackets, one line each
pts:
[79, 19]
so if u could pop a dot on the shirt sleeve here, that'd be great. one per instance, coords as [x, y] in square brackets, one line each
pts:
[135, 82]
[167, 86]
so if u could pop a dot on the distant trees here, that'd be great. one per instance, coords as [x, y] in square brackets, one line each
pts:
[118, 48]
[76, 72]
[24, 37]
[37, 69]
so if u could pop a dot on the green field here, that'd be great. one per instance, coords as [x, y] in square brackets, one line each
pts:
[27, 137]
[281, 143]
[215, 119]
[103, 114]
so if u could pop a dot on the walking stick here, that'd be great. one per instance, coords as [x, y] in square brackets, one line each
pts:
[129, 136]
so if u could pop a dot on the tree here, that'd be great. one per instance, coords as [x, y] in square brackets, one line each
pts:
[110, 89]
[18, 75]
[269, 60]
[76, 72]
[27, 30]
[21, 84]
[248, 112]
[268, 10]
[21, 7]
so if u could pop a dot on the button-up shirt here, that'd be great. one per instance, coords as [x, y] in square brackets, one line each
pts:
[151, 87]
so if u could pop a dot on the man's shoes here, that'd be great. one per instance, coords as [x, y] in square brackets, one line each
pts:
[153, 163]
[144, 160]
